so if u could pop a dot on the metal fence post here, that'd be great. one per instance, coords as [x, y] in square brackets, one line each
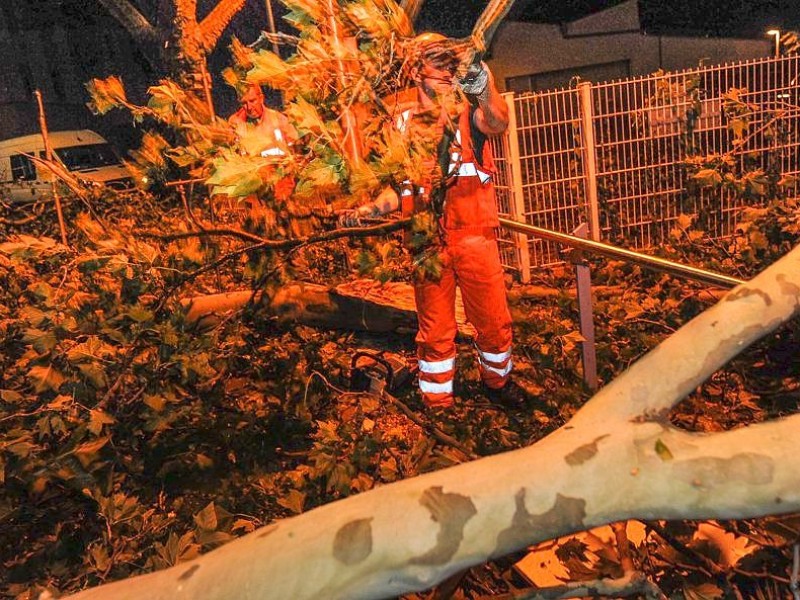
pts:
[589, 158]
[583, 280]
[517, 199]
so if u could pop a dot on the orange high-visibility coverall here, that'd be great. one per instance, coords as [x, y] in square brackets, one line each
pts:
[472, 262]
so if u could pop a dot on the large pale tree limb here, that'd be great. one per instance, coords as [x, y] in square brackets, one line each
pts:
[618, 458]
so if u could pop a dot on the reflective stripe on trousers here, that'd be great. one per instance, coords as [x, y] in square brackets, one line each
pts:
[473, 263]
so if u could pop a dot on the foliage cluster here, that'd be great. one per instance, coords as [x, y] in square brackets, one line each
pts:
[132, 441]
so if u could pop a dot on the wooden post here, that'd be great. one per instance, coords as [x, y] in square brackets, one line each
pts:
[48, 150]
[589, 158]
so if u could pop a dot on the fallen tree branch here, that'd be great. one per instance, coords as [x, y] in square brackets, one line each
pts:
[618, 458]
[633, 583]
[264, 243]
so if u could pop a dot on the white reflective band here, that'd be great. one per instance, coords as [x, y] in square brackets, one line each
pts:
[470, 170]
[402, 120]
[428, 387]
[495, 358]
[421, 190]
[272, 152]
[437, 366]
[458, 136]
[278, 134]
[502, 372]
[406, 193]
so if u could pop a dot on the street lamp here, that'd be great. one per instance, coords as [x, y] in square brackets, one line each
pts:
[777, 34]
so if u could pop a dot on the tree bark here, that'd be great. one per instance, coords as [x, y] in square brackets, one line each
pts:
[141, 30]
[618, 458]
[361, 305]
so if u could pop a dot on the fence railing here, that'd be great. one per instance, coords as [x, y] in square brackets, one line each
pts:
[618, 155]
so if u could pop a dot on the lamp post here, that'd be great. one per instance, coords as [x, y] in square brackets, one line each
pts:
[777, 34]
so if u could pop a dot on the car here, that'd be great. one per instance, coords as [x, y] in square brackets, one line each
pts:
[84, 153]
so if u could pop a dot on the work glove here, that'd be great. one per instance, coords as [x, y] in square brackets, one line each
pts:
[349, 218]
[475, 80]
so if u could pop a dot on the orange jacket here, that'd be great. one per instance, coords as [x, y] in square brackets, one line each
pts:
[470, 202]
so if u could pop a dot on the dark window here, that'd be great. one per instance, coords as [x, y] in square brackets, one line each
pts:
[549, 80]
[80, 158]
[22, 168]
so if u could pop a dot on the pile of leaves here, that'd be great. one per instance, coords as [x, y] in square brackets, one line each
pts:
[132, 441]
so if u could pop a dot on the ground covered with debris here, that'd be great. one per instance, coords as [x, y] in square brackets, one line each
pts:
[133, 439]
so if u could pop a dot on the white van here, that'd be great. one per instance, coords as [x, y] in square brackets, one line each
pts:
[84, 152]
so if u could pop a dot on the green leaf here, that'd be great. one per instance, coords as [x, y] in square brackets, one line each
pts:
[87, 452]
[293, 501]
[662, 450]
[97, 419]
[93, 349]
[207, 518]
[704, 591]
[11, 396]
[95, 373]
[42, 341]
[707, 178]
[139, 313]
[46, 378]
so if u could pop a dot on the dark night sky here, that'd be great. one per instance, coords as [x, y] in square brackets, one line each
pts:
[737, 18]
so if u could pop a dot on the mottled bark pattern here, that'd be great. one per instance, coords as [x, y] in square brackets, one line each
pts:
[747, 467]
[353, 542]
[583, 453]
[451, 512]
[567, 514]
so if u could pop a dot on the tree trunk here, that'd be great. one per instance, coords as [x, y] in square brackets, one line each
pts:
[363, 305]
[618, 458]
[140, 29]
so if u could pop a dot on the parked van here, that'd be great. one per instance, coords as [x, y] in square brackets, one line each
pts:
[85, 153]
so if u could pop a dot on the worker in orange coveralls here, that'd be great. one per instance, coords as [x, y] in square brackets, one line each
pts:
[263, 131]
[467, 224]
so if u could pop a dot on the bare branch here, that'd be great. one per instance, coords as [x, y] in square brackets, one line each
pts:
[137, 25]
[214, 24]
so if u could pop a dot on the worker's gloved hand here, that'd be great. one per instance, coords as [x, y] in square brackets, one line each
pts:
[475, 79]
[349, 218]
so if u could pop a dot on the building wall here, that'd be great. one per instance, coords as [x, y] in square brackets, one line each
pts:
[601, 45]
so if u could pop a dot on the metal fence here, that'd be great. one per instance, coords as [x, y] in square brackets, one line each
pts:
[620, 156]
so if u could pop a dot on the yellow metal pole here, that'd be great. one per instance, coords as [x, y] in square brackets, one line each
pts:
[48, 149]
[645, 260]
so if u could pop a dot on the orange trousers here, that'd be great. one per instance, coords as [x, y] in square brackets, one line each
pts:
[471, 262]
